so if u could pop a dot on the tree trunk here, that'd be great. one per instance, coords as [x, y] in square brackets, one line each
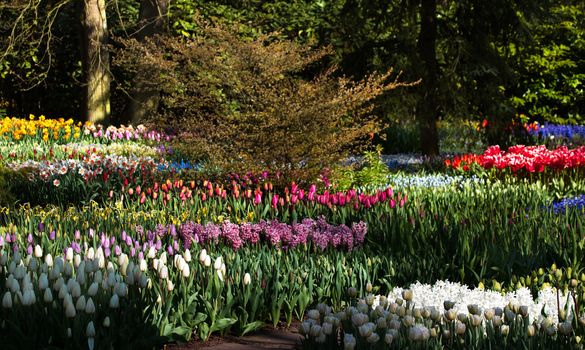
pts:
[428, 106]
[96, 61]
[144, 99]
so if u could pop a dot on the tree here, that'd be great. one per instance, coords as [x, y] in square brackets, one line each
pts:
[428, 106]
[144, 99]
[96, 61]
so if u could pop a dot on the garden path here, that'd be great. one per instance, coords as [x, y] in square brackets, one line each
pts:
[266, 339]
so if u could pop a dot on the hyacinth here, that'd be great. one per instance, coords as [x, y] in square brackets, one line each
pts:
[577, 203]
[435, 295]
[318, 232]
[402, 181]
[548, 131]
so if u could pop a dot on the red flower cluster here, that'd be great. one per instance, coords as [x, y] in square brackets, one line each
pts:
[529, 158]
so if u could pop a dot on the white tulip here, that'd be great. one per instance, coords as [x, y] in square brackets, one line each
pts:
[349, 342]
[70, 310]
[11, 267]
[187, 255]
[98, 277]
[89, 306]
[143, 281]
[93, 289]
[217, 263]
[123, 259]
[90, 254]
[76, 291]
[63, 291]
[80, 304]
[68, 269]
[33, 265]
[58, 283]
[77, 260]
[38, 251]
[69, 254]
[247, 279]
[186, 270]
[207, 261]
[20, 272]
[67, 300]
[114, 301]
[90, 330]
[7, 300]
[170, 286]
[121, 289]
[164, 272]
[106, 322]
[3, 258]
[101, 257]
[202, 256]
[14, 286]
[81, 277]
[143, 265]
[29, 297]
[130, 278]
[48, 296]
[111, 279]
[151, 253]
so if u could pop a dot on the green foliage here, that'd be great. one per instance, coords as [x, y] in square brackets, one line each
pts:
[8, 179]
[372, 171]
[551, 73]
[246, 105]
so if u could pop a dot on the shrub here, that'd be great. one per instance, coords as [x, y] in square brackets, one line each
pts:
[256, 104]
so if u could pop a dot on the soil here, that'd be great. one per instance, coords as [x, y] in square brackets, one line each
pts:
[268, 338]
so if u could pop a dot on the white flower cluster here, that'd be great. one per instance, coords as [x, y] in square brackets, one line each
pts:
[426, 295]
[74, 283]
[88, 167]
[438, 313]
[125, 149]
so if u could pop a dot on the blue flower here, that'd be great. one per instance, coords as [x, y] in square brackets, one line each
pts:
[577, 202]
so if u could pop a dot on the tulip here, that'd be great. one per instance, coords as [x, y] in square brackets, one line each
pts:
[218, 263]
[43, 281]
[114, 301]
[48, 296]
[49, 260]
[106, 322]
[38, 251]
[70, 310]
[93, 289]
[186, 270]
[89, 306]
[90, 330]
[247, 279]
[187, 255]
[7, 300]
[69, 254]
[349, 342]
